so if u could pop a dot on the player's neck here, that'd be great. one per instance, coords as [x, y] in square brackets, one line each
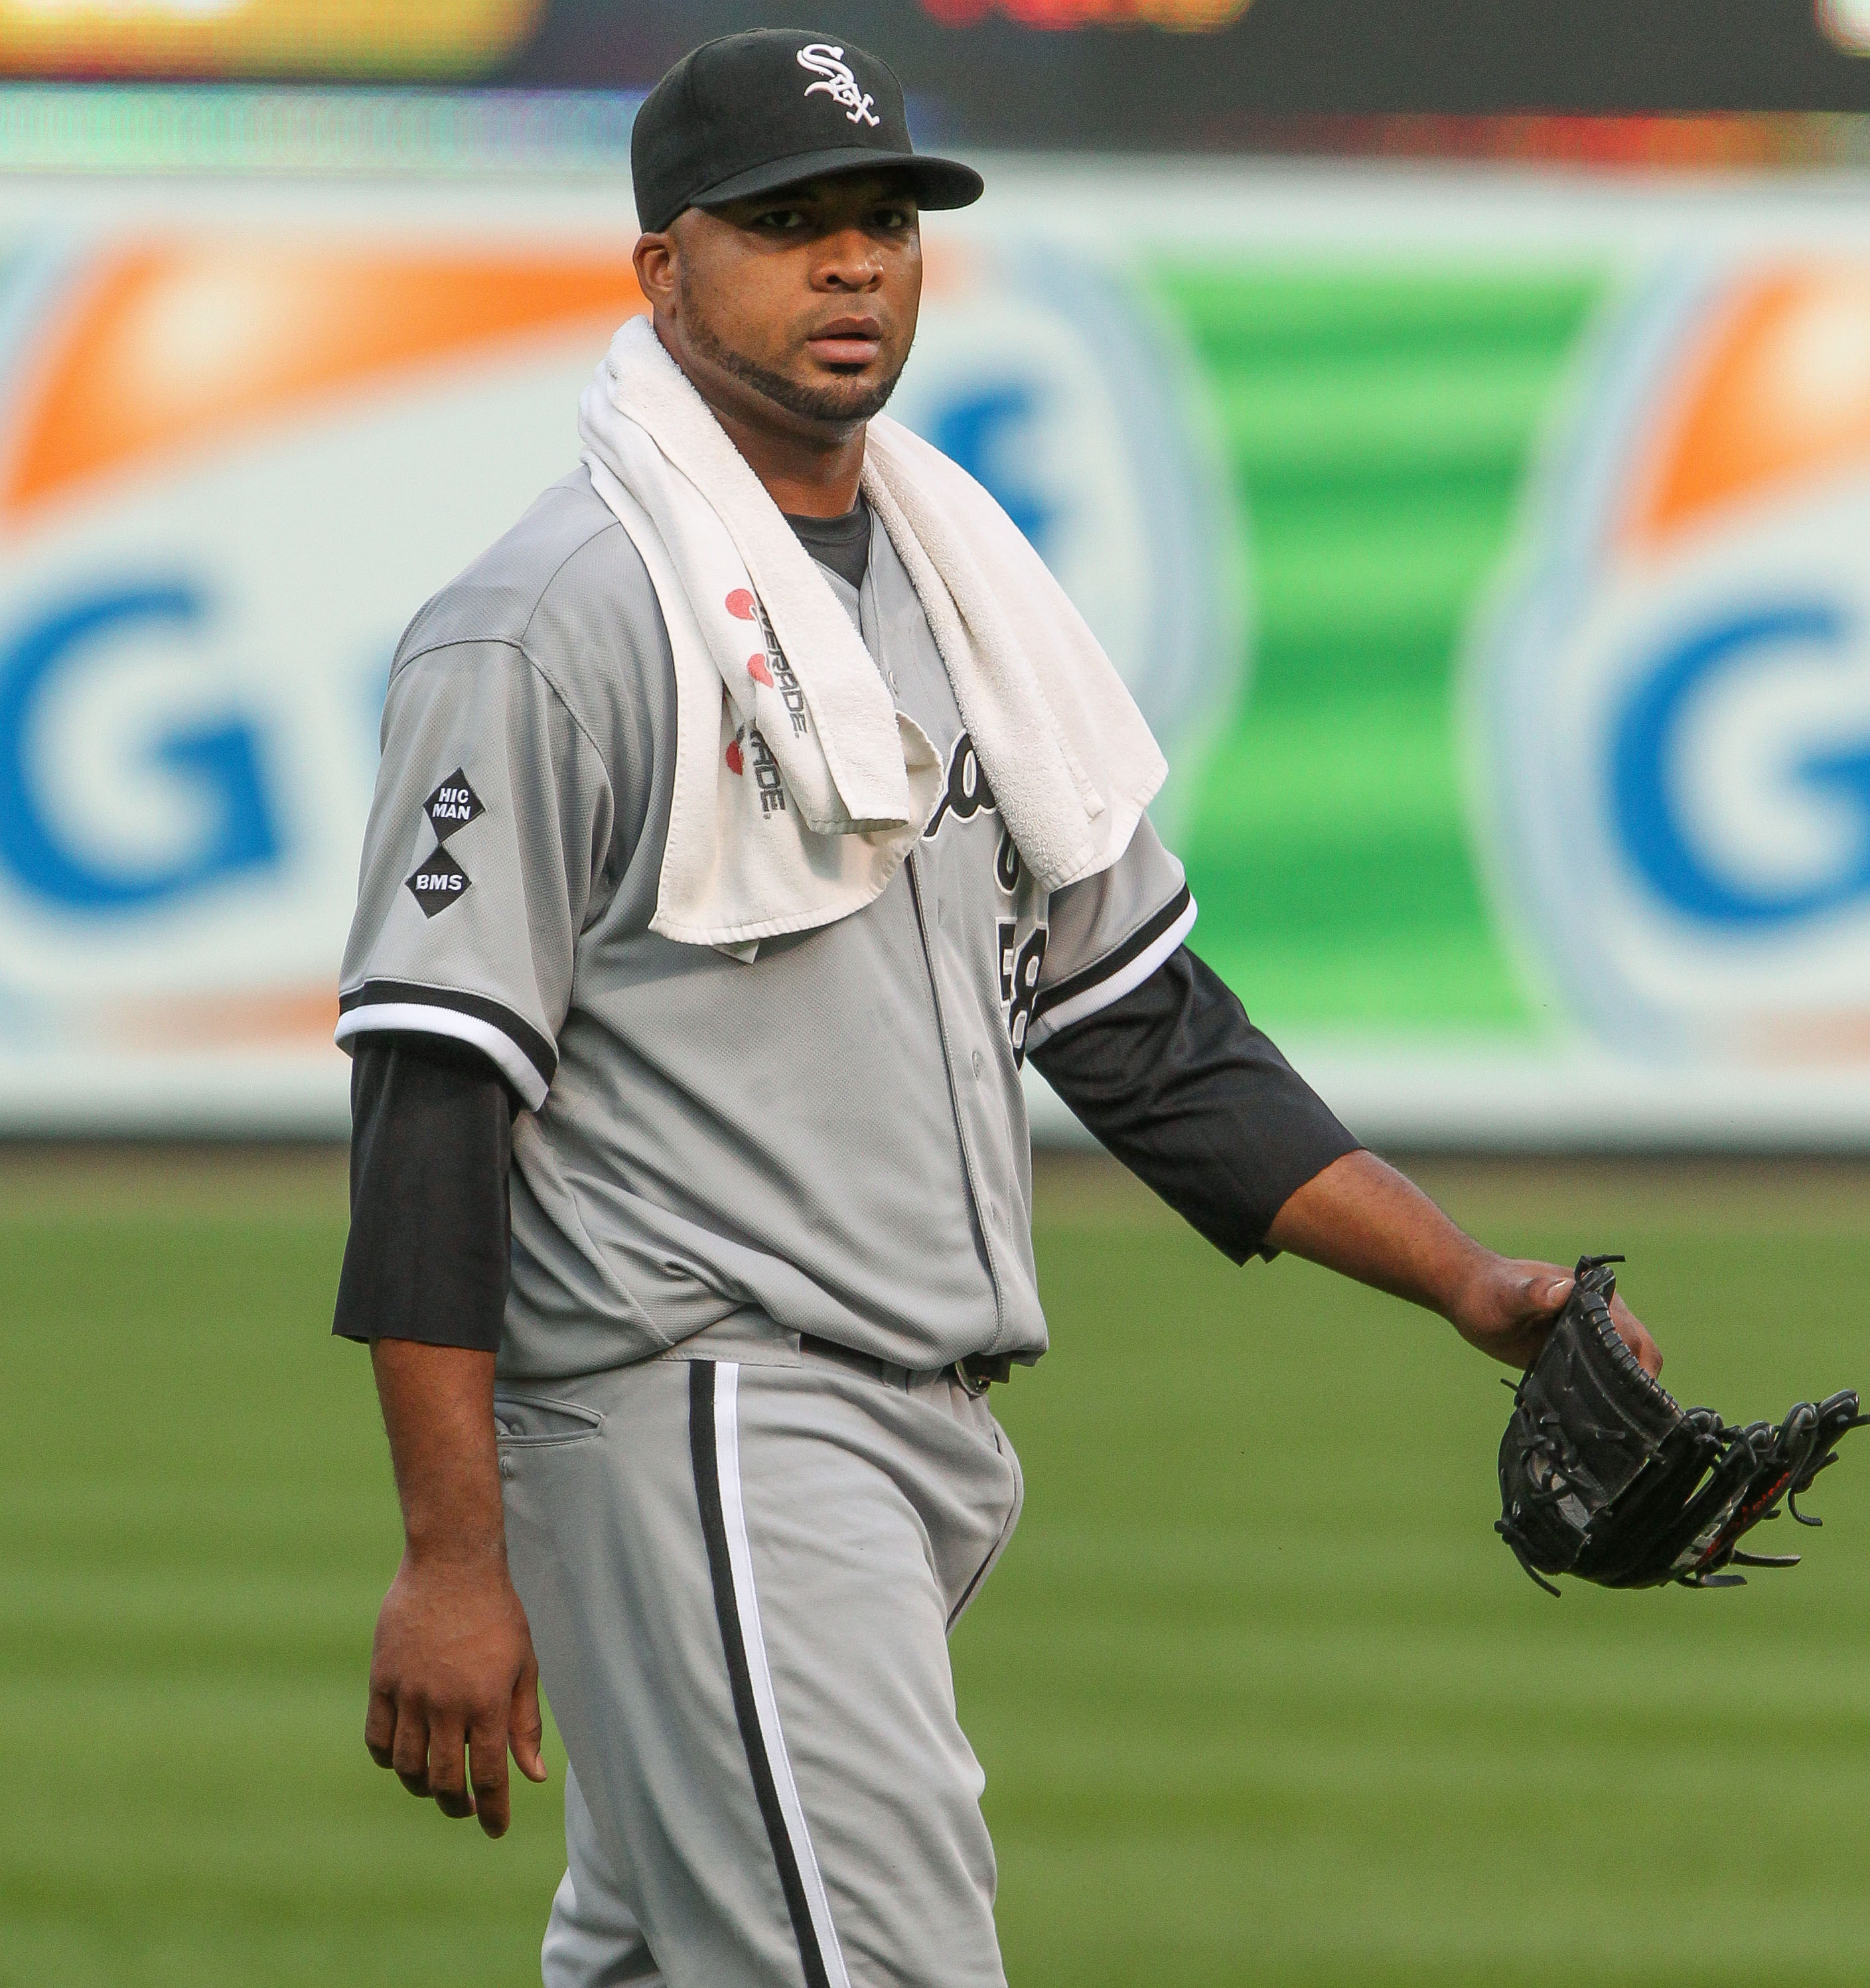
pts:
[806, 475]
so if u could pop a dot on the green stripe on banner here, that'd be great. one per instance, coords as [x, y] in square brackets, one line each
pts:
[1376, 430]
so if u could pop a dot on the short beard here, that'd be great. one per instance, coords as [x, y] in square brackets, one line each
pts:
[848, 402]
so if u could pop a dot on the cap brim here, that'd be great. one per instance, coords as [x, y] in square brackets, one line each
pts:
[937, 183]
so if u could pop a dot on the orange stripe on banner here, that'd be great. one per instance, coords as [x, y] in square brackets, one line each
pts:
[1810, 1041]
[170, 347]
[419, 38]
[281, 1018]
[1779, 393]
[948, 269]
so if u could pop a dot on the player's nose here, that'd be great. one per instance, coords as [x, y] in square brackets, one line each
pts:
[847, 260]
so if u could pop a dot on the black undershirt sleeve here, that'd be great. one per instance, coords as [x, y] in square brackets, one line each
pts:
[431, 1147]
[1195, 1100]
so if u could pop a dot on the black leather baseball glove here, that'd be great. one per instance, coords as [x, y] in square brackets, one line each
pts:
[1603, 1476]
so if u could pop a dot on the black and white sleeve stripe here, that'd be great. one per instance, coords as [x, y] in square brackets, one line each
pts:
[1125, 966]
[523, 1055]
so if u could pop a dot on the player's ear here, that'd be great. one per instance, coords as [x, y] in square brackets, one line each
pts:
[655, 260]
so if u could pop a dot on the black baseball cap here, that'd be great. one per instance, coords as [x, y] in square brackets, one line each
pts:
[771, 108]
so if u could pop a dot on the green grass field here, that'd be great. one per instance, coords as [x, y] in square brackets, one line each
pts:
[1261, 1698]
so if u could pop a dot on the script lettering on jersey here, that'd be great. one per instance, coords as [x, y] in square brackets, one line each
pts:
[839, 83]
[966, 793]
[1006, 863]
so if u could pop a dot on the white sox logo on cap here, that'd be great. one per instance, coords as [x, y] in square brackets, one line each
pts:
[839, 83]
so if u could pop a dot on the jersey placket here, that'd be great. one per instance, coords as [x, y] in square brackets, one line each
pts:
[983, 1207]
[989, 1210]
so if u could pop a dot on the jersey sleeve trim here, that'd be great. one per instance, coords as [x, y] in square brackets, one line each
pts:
[1126, 965]
[517, 1050]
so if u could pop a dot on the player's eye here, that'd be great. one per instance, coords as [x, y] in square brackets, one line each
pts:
[778, 219]
[894, 220]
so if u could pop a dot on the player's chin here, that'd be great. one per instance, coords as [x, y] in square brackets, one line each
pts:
[849, 393]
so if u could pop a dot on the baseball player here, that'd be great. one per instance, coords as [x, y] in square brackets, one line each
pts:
[687, 1268]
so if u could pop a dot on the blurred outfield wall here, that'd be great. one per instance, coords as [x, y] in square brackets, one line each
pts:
[1491, 551]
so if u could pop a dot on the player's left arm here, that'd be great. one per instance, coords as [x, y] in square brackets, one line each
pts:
[1361, 1217]
[1154, 1054]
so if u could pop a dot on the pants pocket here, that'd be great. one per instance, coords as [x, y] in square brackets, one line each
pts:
[1016, 1503]
[535, 1421]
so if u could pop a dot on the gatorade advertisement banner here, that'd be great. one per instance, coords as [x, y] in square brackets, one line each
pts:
[1486, 551]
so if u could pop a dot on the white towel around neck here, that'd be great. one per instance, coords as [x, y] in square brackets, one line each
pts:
[798, 788]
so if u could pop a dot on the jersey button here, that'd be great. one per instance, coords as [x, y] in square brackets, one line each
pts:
[980, 1064]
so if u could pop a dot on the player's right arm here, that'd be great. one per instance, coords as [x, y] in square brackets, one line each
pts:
[454, 1683]
[488, 829]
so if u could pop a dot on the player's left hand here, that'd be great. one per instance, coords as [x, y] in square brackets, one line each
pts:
[1508, 1305]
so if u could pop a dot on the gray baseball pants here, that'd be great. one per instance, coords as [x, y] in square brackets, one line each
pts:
[740, 1565]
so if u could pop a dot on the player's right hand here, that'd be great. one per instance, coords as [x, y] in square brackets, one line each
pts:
[454, 1683]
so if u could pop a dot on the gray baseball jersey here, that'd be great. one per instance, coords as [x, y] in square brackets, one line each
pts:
[831, 1136]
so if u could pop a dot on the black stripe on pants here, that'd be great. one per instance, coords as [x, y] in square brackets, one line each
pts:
[733, 1644]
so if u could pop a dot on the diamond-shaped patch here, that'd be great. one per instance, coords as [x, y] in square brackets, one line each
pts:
[453, 805]
[438, 883]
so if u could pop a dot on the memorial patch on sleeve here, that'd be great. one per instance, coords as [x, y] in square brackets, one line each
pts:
[438, 883]
[453, 805]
